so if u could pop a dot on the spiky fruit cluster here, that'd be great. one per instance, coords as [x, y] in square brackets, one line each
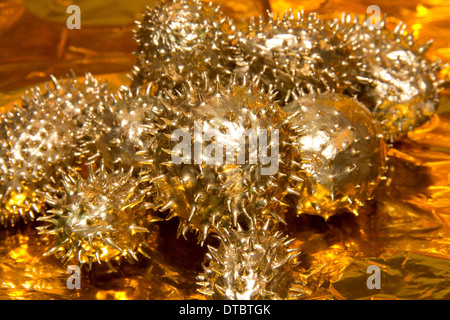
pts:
[400, 86]
[179, 40]
[38, 141]
[343, 153]
[102, 218]
[114, 133]
[302, 53]
[205, 171]
[385, 69]
[253, 264]
[73, 98]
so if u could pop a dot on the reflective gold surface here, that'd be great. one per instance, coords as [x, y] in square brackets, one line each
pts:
[404, 230]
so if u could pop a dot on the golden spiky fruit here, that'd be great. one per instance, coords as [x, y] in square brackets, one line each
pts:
[203, 168]
[254, 264]
[113, 133]
[38, 141]
[179, 40]
[400, 86]
[301, 52]
[103, 218]
[73, 98]
[343, 153]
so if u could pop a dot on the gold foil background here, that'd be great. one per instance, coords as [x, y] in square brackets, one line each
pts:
[405, 230]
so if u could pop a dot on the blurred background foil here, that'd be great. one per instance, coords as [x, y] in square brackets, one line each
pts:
[404, 231]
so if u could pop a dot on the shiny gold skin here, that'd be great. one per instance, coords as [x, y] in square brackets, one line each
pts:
[343, 153]
[400, 86]
[301, 52]
[254, 264]
[206, 195]
[99, 219]
[113, 133]
[179, 40]
[38, 142]
[386, 70]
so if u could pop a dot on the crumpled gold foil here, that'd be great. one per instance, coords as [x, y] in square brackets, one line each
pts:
[404, 230]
